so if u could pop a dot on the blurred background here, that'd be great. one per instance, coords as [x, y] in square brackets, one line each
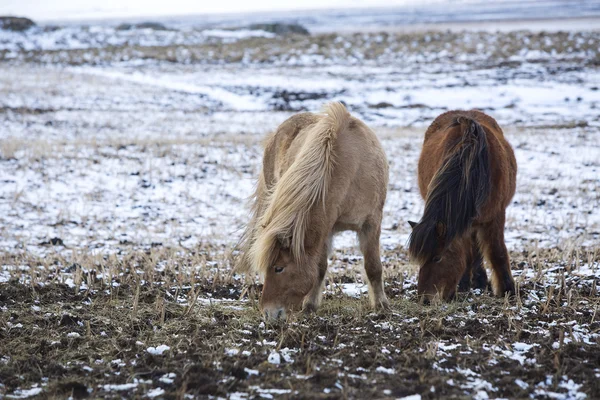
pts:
[371, 14]
[132, 123]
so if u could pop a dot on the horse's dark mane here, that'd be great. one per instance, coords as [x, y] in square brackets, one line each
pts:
[456, 193]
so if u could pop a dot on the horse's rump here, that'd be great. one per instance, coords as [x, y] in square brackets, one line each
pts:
[291, 185]
[461, 159]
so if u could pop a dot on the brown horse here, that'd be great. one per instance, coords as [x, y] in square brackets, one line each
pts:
[467, 176]
[321, 174]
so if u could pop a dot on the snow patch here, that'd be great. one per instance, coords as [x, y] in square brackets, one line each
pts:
[159, 350]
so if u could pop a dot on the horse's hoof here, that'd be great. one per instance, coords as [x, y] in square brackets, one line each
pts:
[424, 299]
[309, 309]
[509, 289]
[382, 306]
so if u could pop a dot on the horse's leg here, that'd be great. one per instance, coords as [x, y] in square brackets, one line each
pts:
[368, 237]
[479, 278]
[491, 239]
[312, 301]
[475, 276]
[465, 282]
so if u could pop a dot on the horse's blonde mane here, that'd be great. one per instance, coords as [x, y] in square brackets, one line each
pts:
[285, 219]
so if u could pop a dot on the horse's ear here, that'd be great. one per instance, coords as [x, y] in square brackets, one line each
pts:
[413, 224]
[440, 229]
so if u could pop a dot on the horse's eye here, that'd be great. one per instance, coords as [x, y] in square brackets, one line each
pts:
[437, 259]
[278, 270]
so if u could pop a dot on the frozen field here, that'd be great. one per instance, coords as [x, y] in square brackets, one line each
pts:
[125, 164]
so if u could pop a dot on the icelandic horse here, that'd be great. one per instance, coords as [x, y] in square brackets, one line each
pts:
[467, 177]
[321, 174]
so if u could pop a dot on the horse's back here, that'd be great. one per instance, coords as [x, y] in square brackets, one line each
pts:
[359, 178]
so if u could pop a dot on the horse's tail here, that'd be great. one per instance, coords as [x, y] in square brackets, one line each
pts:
[304, 185]
[456, 193]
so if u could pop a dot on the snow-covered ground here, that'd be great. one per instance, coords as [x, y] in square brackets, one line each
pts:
[103, 157]
[146, 153]
[100, 36]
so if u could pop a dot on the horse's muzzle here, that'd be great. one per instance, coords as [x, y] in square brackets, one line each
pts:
[274, 313]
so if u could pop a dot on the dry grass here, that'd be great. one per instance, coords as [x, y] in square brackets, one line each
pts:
[489, 47]
[75, 324]
[37, 148]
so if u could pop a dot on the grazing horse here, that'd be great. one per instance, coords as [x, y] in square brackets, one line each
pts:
[321, 174]
[467, 176]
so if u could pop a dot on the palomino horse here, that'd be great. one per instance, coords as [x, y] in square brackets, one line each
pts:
[467, 176]
[321, 174]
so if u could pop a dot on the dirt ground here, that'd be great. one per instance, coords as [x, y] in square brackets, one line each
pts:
[93, 335]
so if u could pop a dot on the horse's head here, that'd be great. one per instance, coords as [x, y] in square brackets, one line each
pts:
[286, 284]
[441, 270]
